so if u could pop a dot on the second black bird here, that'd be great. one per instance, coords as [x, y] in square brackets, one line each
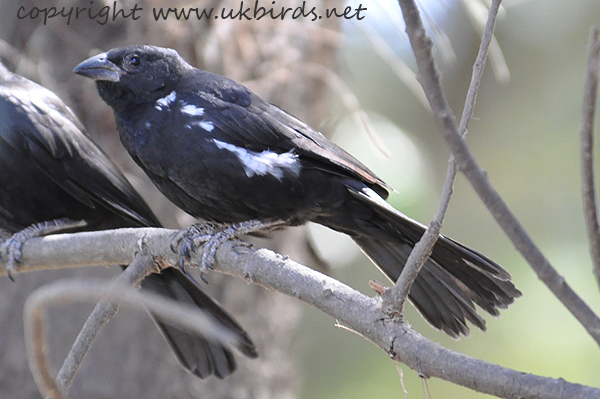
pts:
[52, 174]
[223, 154]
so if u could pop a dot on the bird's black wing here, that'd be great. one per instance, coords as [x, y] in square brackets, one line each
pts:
[243, 119]
[37, 124]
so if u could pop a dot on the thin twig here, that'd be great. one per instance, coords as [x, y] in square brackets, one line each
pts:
[389, 56]
[349, 100]
[429, 78]
[587, 149]
[476, 11]
[424, 247]
[345, 94]
[275, 272]
[141, 266]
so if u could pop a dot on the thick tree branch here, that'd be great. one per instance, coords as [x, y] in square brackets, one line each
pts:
[358, 312]
[430, 80]
[587, 149]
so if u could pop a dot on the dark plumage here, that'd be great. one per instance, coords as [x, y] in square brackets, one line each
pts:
[223, 154]
[51, 170]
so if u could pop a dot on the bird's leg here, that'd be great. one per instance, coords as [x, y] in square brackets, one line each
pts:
[212, 235]
[14, 244]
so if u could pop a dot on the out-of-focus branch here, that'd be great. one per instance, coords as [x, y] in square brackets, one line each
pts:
[398, 66]
[354, 310]
[141, 266]
[349, 100]
[69, 291]
[430, 80]
[587, 149]
[476, 11]
[422, 250]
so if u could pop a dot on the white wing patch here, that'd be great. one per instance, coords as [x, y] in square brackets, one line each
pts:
[192, 110]
[263, 163]
[164, 102]
[206, 125]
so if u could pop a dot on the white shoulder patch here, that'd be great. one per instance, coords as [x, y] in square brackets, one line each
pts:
[265, 162]
[164, 102]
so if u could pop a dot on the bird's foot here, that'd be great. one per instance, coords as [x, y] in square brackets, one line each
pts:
[14, 244]
[186, 240]
[210, 236]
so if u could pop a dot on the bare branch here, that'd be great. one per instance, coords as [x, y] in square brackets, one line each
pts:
[36, 350]
[349, 100]
[587, 149]
[430, 80]
[358, 312]
[422, 250]
[476, 11]
[68, 291]
[389, 56]
[141, 266]
[344, 93]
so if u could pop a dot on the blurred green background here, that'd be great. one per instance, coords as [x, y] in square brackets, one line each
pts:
[525, 134]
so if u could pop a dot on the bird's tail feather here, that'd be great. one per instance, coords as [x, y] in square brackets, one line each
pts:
[196, 353]
[434, 293]
[452, 280]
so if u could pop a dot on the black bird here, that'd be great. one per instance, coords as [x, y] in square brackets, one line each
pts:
[221, 153]
[53, 175]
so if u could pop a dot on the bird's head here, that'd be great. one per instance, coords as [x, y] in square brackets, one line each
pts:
[144, 72]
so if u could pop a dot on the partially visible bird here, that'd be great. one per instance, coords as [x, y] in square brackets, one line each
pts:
[54, 178]
[221, 153]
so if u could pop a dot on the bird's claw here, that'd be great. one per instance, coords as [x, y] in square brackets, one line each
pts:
[183, 240]
[14, 244]
[13, 248]
[187, 240]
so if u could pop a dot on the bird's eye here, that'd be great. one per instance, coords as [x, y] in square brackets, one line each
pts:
[135, 61]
